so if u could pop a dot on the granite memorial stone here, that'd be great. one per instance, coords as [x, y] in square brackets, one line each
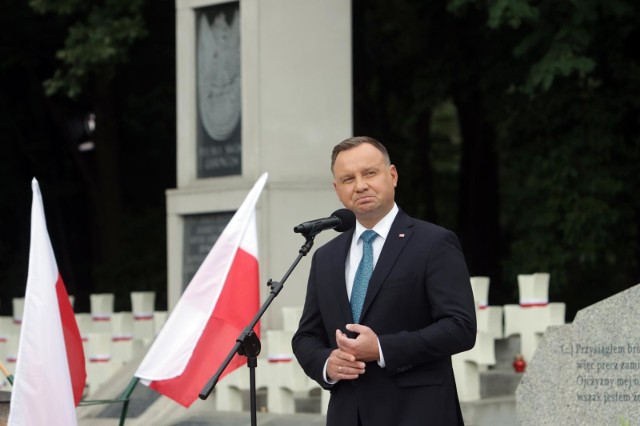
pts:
[587, 373]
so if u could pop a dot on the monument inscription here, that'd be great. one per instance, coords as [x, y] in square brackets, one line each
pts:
[201, 231]
[587, 372]
[606, 373]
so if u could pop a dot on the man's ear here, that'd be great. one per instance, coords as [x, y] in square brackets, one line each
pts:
[394, 175]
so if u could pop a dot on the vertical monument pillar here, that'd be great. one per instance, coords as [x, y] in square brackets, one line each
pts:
[262, 86]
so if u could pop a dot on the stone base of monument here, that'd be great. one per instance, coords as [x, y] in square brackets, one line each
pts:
[308, 402]
[497, 404]
[494, 411]
[498, 383]
[506, 350]
[5, 398]
[501, 379]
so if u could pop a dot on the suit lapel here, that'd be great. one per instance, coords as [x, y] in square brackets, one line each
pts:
[336, 277]
[399, 234]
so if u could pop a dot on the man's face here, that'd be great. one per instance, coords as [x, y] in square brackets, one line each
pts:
[364, 183]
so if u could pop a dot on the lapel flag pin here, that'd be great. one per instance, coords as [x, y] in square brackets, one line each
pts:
[401, 235]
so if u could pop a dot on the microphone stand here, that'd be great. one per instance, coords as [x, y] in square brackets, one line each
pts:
[248, 344]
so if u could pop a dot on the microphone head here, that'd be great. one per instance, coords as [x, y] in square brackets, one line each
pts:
[347, 219]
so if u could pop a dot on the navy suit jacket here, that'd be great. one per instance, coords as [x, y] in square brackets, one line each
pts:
[420, 304]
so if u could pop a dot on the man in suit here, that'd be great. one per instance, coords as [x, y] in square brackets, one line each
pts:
[386, 359]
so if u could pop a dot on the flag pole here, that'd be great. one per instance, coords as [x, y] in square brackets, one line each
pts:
[6, 373]
[248, 344]
[126, 396]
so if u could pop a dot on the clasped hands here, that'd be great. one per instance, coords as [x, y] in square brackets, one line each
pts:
[348, 361]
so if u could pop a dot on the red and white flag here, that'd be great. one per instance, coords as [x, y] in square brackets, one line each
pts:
[50, 370]
[219, 302]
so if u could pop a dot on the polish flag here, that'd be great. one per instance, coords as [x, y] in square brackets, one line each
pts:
[50, 370]
[217, 305]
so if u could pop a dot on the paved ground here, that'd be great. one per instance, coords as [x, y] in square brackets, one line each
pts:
[228, 419]
[148, 408]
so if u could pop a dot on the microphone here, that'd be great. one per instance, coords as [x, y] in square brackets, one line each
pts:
[340, 220]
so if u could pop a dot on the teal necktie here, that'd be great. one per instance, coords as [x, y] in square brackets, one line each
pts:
[361, 280]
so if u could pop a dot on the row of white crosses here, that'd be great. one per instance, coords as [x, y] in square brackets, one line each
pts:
[529, 319]
[110, 339]
[113, 338]
[9, 337]
[468, 365]
[283, 378]
[278, 372]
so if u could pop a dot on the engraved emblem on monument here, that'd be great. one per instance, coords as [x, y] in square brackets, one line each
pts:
[218, 91]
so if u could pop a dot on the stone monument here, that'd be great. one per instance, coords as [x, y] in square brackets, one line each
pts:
[587, 373]
[262, 86]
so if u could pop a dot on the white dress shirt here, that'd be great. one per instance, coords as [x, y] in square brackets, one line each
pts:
[355, 253]
[381, 228]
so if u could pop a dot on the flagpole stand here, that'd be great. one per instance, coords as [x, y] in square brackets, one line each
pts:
[248, 343]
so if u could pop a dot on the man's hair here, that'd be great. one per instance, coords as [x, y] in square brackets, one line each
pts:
[355, 141]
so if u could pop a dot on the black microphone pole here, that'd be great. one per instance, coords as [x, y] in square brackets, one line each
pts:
[248, 344]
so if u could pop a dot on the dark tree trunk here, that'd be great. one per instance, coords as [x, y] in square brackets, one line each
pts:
[423, 177]
[479, 198]
[109, 201]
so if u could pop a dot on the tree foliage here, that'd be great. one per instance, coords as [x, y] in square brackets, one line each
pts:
[552, 89]
[99, 38]
[568, 143]
[514, 122]
[105, 206]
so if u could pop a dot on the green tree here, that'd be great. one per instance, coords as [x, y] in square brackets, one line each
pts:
[104, 207]
[568, 143]
[30, 147]
[98, 40]
[546, 106]
[413, 62]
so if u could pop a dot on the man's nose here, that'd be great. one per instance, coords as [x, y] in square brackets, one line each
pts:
[361, 184]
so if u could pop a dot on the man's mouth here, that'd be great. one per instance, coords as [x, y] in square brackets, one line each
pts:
[364, 200]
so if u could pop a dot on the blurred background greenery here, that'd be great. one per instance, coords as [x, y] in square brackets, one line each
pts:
[514, 123]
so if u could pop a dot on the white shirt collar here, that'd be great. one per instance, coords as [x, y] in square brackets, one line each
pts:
[382, 228]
